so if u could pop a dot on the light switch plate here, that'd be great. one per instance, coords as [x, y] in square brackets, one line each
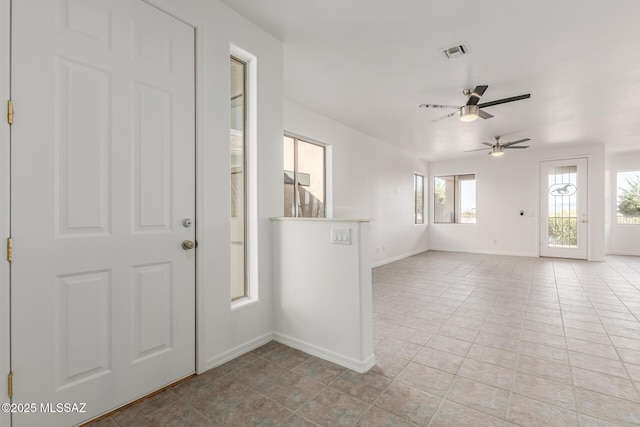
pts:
[341, 236]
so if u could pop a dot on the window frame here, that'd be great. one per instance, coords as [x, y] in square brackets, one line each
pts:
[296, 194]
[456, 196]
[415, 199]
[617, 200]
[245, 213]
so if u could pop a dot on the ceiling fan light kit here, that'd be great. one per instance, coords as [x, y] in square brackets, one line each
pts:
[497, 148]
[468, 113]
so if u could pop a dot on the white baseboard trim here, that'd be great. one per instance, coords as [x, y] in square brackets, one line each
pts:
[237, 351]
[468, 251]
[360, 366]
[397, 258]
[623, 253]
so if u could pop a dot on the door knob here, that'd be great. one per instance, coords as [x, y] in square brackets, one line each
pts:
[188, 245]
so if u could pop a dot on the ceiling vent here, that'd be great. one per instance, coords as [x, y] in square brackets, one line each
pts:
[456, 51]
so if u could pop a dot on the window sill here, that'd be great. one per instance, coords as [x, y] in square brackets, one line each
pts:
[243, 302]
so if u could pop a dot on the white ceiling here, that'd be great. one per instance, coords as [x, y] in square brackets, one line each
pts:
[370, 63]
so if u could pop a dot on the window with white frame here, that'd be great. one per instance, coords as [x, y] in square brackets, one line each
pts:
[304, 178]
[454, 199]
[628, 195]
[418, 190]
[238, 86]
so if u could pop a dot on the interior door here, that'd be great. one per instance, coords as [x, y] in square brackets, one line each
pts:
[563, 208]
[103, 153]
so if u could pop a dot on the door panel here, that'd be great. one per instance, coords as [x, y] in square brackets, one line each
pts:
[82, 327]
[83, 148]
[151, 159]
[563, 208]
[103, 150]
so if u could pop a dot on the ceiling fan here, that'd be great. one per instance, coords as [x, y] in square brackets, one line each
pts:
[497, 148]
[472, 110]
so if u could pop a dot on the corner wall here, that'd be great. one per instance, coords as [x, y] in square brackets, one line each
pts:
[225, 332]
[311, 270]
[504, 186]
[368, 179]
[620, 239]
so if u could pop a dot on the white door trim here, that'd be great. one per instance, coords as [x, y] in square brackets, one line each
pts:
[5, 365]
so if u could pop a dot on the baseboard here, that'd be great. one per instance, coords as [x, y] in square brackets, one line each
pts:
[360, 366]
[623, 253]
[397, 258]
[238, 351]
[470, 251]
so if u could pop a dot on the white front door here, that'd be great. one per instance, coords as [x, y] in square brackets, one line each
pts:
[563, 208]
[103, 153]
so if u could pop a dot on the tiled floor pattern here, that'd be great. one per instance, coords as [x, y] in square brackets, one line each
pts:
[460, 340]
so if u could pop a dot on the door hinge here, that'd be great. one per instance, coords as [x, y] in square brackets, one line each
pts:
[9, 249]
[10, 384]
[10, 112]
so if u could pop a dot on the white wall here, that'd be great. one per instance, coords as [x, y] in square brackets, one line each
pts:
[369, 179]
[504, 186]
[4, 206]
[620, 239]
[322, 295]
[223, 332]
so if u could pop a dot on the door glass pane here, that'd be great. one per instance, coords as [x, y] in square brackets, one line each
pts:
[563, 213]
[289, 167]
[310, 180]
[238, 180]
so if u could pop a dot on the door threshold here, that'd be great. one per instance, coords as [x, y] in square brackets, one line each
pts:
[145, 397]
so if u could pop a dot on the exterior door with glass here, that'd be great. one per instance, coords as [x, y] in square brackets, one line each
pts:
[563, 208]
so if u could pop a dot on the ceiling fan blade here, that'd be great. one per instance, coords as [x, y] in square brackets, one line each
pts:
[519, 146]
[515, 142]
[477, 149]
[476, 94]
[445, 117]
[484, 114]
[487, 144]
[438, 106]
[504, 101]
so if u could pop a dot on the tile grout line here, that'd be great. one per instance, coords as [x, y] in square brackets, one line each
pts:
[517, 361]
[573, 388]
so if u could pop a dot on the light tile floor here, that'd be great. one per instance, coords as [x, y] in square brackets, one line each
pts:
[460, 340]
